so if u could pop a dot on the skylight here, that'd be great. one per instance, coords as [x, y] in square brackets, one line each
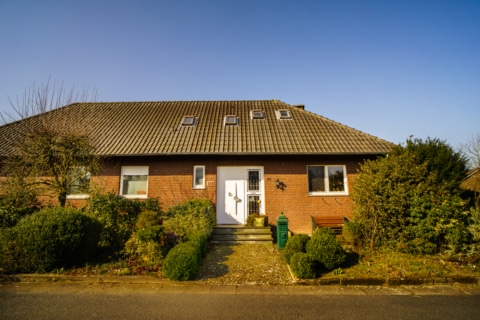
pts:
[189, 121]
[257, 114]
[231, 120]
[283, 114]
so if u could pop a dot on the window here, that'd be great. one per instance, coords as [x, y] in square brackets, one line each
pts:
[189, 121]
[81, 183]
[257, 114]
[231, 120]
[283, 114]
[134, 182]
[327, 180]
[199, 177]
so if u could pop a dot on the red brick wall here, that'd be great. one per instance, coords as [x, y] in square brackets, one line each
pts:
[170, 180]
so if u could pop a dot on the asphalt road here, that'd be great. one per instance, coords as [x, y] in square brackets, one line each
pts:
[159, 301]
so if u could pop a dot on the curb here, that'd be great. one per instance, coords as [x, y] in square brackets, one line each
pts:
[447, 280]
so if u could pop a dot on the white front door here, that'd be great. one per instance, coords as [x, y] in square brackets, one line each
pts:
[239, 193]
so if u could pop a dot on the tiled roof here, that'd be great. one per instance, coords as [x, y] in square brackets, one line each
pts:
[154, 128]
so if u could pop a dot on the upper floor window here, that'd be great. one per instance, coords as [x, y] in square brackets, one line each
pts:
[257, 114]
[231, 120]
[189, 121]
[283, 114]
[134, 181]
[331, 179]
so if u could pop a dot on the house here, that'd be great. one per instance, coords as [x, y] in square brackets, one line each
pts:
[248, 157]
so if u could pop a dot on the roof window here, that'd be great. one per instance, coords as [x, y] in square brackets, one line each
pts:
[257, 114]
[283, 114]
[189, 121]
[231, 120]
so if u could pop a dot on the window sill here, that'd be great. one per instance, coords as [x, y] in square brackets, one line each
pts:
[327, 194]
[135, 196]
[77, 196]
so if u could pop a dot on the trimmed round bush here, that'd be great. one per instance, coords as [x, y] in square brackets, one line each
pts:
[324, 248]
[296, 243]
[200, 240]
[181, 262]
[302, 266]
[49, 239]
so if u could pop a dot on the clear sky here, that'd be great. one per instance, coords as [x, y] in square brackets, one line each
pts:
[389, 68]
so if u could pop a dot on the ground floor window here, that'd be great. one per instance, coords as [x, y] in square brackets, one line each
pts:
[330, 179]
[199, 177]
[134, 181]
[80, 185]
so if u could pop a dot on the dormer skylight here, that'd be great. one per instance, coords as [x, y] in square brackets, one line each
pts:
[283, 114]
[231, 120]
[257, 114]
[189, 121]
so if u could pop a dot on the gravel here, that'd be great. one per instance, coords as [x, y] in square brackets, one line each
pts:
[244, 264]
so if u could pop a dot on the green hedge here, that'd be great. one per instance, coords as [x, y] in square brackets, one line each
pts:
[182, 262]
[303, 266]
[49, 239]
[296, 243]
[324, 248]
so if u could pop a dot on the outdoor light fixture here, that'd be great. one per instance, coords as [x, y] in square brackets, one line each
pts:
[279, 184]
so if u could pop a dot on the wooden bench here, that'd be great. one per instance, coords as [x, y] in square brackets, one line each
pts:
[328, 221]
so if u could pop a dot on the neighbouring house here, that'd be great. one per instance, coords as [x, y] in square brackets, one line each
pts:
[263, 157]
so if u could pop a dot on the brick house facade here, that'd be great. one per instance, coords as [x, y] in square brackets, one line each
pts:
[247, 157]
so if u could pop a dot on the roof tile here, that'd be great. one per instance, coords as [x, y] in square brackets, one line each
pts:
[154, 128]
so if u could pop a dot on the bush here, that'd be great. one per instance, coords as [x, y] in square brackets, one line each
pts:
[193, 215]
[324, 248]
[302, 266]
[49, 239]
[297, 243]
[118, 217]
[145, 244]
[181, 262]
[200, 240]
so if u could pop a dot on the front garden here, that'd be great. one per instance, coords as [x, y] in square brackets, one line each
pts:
[112, 233]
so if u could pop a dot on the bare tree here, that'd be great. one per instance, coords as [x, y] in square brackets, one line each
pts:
[43, 98]
[52, 153]
[472, 150]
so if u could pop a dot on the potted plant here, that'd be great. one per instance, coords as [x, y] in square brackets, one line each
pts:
[257, 220]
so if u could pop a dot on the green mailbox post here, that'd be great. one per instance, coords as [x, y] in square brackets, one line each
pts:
[282, 231]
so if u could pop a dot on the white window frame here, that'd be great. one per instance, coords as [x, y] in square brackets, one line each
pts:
[195, 185]
[81, 195]
[326, 181]
[279, 115]
[134, 171]
[227, 121]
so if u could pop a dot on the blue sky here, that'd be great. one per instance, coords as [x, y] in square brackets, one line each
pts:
[388, 68]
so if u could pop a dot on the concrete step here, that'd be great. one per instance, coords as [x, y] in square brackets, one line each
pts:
[236, 234]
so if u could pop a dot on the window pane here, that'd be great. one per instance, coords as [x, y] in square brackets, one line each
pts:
[316, 178]
[199, 177]
[134, 185]
[253, 180]
[335, 178]
[81, 182]
[253, 204]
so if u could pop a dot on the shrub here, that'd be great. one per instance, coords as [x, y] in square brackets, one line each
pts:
[297, 243]
[324, 248]
[149, 243]
[51, 238]
[302, 265]
[118, 217]
[200, 240]
[181, 262]
[190, 216]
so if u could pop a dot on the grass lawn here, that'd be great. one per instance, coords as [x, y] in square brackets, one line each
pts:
[387, 264]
